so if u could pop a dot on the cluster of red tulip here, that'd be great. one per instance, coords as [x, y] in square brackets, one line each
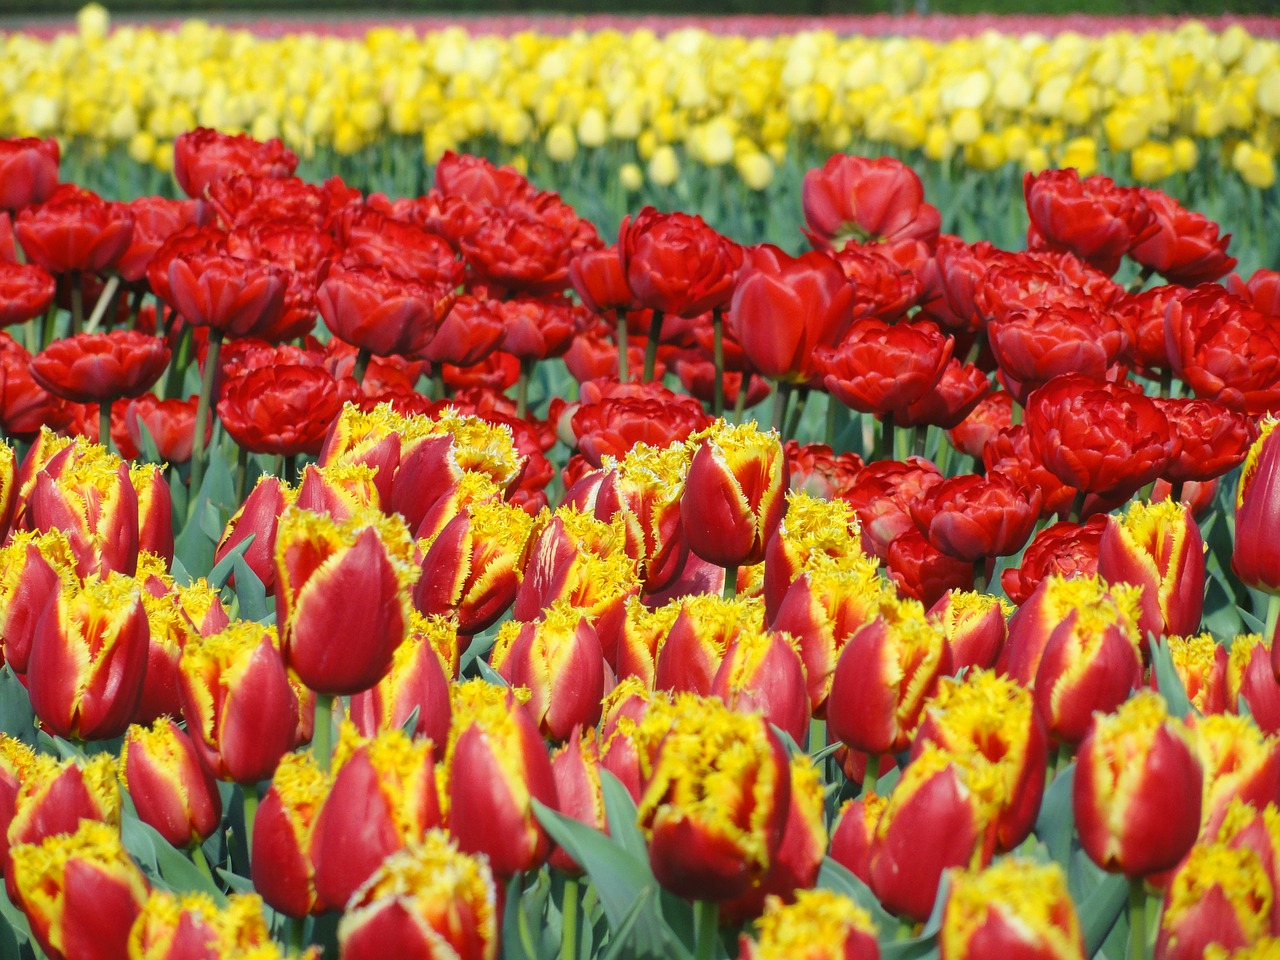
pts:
[394, 683]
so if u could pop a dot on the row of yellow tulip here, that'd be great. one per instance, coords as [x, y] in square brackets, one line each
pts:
[1156, 98]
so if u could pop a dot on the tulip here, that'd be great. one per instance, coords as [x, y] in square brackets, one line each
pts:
[1013, 908]
[258, 517]
[942, 813]
[976, 518]
[1219, 895]
[1137, 789]
[339, 490]
[350, 579]
[1224, 349]
[600, 282]
[203, 156]
[1251, 677]
[1090, 216]
[33, 567]
[1185, 247]
[854, 198]
[241, 711]
[1052, 603]
[538, 329]
[992, 718]
[1201, 665]
[1068, 549]
[578, 559]
[1215, 439]
[1241, 766]
[282, 410]
[54, 797]
[28, 171]
[417, 681]
[155, 510]
[26, 408]
[101, 367]
[1255, 557]
[715, 806]
[527, 244]
[495, 766]
[689, 657]
[80, 891]
[468, 334]
[857, 371]
[93, 501]
[282, 859]
[89, 658]
[379, 313]
[179, 926]
[881, 496]
[383, 797]
[819, 925]
[575, 767]
[852, 831]
[170, 788]
[809, 528]
[26, 291]
[632, 651]
[428, 900]
[74, 230]
[975, 625]
[675, 263]
[762, 671]
[17, 762]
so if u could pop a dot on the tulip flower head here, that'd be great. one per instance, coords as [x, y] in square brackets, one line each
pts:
[1220, 895]
[175, 925]
[1256, 559]
[283, 863]
[1014, 906]
[819, 925]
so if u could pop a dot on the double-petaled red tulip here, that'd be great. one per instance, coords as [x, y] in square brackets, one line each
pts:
[1225, 349]
[381, 313]
[1215, 438]
[878, 368]
[958, 391]
[971, 517]
[469, 332]
[26, 290]
[1092, 217]
[1034, 346]
[599, 280]
[203, 156]
[528, 245]
[535, 328]
[74, 229]
[1065, 548]
[100, 367]
[676, 263]
[28, 171]
[171, 425]
[854, 198]
[784, 308]
[233, 296]
[284, 410]
[1185, 247]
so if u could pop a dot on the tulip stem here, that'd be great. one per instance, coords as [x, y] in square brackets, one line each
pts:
[981, 574]
[77, 302]
[1273, 616]
[730, 583]
[178, 364]
[706, 925]
[1077, 508]
[920, 440]
[1137, 919]
[623, 372]
[871, 776]
[104, 423]
[250, 793]
[438, 390]
[522, 386]
[793, 422]
[242, 472]
[717, 332]
[202, 864]
[297, 935]
[202, 410]
[740, 401]
[651, 347]
[781, 400]
[362, 364]
[829, 437]
[887, 435]
[106, 301]
[1175, 491]
[322, 738]
[569, 915]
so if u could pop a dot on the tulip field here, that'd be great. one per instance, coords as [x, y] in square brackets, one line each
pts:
[615, 495]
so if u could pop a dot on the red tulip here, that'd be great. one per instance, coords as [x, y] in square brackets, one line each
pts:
[203, 156]
[527, 244]
[53, 797]
[170, 788]
[284, 410]
[1014, 908]
[235, 296]
[879, 368]
[1255, 558]
[28, 171]
[74, 229]
[1185, 247]
[381, 313]
[820, 925]
[1224, 349]
[599, 280]
[1034, 346]
[676, 263]
[972, 518]
[1066, 548]
[762, 671]
[1090, 216]
[283, 865]
[101, 367]
[853, 198]
[575, 766]
[26, 291]
[1219, 895]
[469, 332]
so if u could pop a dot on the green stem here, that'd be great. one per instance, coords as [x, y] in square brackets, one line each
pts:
[104, 423]
[297, 934]
[981, 573]
[717, 330]
[1077, 507]
[1137, 919]
[781, 400]
[362, 364]
[522, 386]
[884, 450]
[242, 472]
[793, 422]
[920, 439]
[178, 364]
[651, 347]
[106, 302]
[50, 324]
[291, 469]
[202, 409]
[569, 924]
[817, 735]
[706, 925]
[77, 302]
[250, 793]
[740, 401]
[623, 373]
[522, 915]
[322, 738]
[730, 583]
[829, 436]
[202, 864]
[1273, 615]
[438, 390]
[872, 774]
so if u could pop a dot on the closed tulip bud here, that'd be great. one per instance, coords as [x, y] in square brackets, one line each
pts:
[824, 607]
[202, 607]
[819, 925]
[1013, 908]
[89, 659]
[258, 517]
[170, 788]
[734, 495]
[189, 926]
[54, 796]
[986, 716]
[640, 633]
[17, 760]
[645, 488]
[715, 806]
[80, 892]
[33, 568]
[1138, 787]
[169, 631]
[803, 847]
[1158, 547]
[472, 569]
[689, 657]
[383, 797]
[1256, 555]
[428, 900]
[559, 661]
[494, 768]
[8, 487]
[884, 674]
[1091, 662]
[1250, 677]
[852, 832]
[942, 813]
[95, 504]
[1201, 665]
[1241, 765]
[241, 710]
[1032, 625]
[578, 559]
[1219, 895]
[338, 491]
[810, 527]
[418, 680]
[342, 580]
[155, 510]
[976, 625]
[575, 766]
[283, 864]
[1248, 825]
[762, 671]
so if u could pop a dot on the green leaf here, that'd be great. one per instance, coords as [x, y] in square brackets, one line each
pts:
[223, 569]
[411, 722]
[620, 813]
[250, 592]
[16, 921]
[165, 865]
[1056, 822]
[1100, 910]
[618, 942]
[16, 716]
[840, 879]
[493, 676]
[1168, 680]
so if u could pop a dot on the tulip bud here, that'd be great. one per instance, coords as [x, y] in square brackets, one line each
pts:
[338, 491]
[96, 505]
[1138, 788]
[283, 864]
[189, 925]
[80, 891]
[258, 517]
[558, 659]
[1256, 555]
[575, 768]
[170, 788]
[383, 797]
[418, 680]
[8, 487]
[715, 806]
[576, 558]
[1250, 676]
[1158, 547]
[1219, 895]
[640, 634]
[942, 813]
[1241, 764]
[33, 568]
[53, 797]
[1012, 908]
[761, 671]
[689, 657]
[155, 510]
[810, 527]
[820, 925]
[1246, 826]
[986, 716]
[734, 493]
[17, 760]
[89, 659]
[342, 580]
[975, 626]
[1201, 665]
[883, 676]
[494, 768]
[1052, 603]
[169, 631]
[242, 713]
[426, 900]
